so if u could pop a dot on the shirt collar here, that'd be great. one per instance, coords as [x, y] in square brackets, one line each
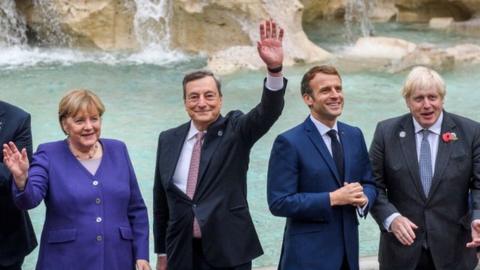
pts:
[435, 128]
[192, 132]
[321, 127]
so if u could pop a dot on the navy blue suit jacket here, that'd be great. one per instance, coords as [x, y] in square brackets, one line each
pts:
[301, 175]
[17, 238]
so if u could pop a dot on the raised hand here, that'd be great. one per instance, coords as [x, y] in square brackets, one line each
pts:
[17, 163]
[270, 45]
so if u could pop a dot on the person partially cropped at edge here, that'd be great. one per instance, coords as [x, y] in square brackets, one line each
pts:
[17, 238]
[201, 215]
[95, 214]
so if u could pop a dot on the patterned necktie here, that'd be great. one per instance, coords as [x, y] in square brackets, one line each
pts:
[193, 177]
[337, 153]
[425, 162]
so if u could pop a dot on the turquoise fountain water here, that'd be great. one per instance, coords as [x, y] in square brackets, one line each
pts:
[142, 100]
[143, 96]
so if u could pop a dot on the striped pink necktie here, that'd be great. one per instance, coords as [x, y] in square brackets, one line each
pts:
[193, 177]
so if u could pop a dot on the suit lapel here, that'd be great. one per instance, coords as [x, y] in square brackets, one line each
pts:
[174, 149]
[406, 134]
[346, 144]
[212, 139]
[317, 141]
[443, 153]
[2, 125]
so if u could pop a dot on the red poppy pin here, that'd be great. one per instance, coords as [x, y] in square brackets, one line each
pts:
[449, 136]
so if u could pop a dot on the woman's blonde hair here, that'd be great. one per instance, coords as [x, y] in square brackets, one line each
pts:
[78, 100]
[423, 78]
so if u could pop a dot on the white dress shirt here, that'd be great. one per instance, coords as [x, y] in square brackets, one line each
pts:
[323, 129]
[183, 165]
[433, 139]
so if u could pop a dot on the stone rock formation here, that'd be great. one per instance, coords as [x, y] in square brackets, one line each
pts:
[194, 26]
[381, 47]
[227, 31]
[465, 14]
[396, 55]
[424, 10]
[384, 11]
[425, 55]
[465, 54]
[298, 48]
[102, 24]
[470, 27]
[440, 23]
[322, 9]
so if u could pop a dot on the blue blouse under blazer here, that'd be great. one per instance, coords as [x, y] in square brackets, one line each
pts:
[92, 221]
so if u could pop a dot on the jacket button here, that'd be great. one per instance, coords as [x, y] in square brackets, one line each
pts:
[99, 238]
[194, 206]
[95, 183]
[98, 201]
[99, 219]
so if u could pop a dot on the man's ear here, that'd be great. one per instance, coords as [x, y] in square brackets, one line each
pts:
[308, 99]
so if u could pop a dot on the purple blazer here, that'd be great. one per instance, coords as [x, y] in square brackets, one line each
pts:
[92, 221]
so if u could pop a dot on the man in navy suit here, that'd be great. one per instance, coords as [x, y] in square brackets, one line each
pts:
[17, 238]
[319, 177]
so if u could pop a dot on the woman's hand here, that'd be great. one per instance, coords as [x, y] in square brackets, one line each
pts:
[17, 163]
[143, 265]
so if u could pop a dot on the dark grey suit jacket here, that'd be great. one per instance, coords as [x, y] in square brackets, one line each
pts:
[220, 201]
[17, 238]
[444, 217]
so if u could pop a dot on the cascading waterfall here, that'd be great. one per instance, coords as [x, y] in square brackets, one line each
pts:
[12, 26]
[52, 35]
[152, 30]
[51, 45]
[357, 13]
[151, 23]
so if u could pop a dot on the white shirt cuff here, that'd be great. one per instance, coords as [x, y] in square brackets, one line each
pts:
[388, 221]
[361, 210]
[274, 83]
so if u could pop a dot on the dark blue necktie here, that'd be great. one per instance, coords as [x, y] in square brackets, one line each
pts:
[337, 153]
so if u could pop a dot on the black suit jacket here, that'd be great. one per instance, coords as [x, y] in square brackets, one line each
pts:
[445, 215]
[220, 201]
[17, 238]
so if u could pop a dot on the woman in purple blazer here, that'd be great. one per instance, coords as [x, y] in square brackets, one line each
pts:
[95, 214]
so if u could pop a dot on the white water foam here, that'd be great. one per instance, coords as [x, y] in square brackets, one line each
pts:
[152, 30]
[15, 57]
[151, 25]
[357, 13]
[12, 26]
